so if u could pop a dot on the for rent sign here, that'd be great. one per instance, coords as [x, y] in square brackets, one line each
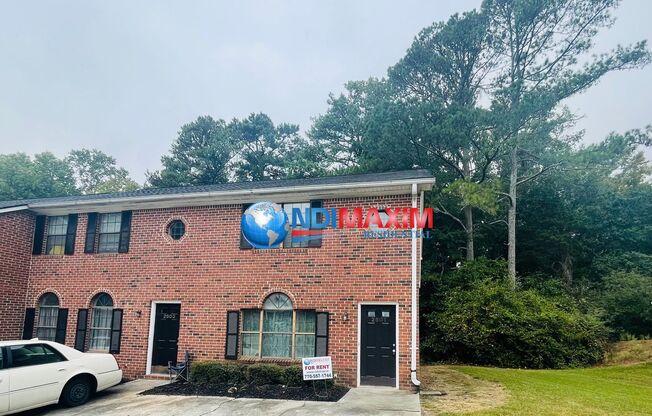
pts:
[317, 368]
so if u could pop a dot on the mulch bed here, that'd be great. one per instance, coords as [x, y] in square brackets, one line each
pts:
[305, 392]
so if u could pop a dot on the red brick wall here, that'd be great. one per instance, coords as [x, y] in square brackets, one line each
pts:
[15, 256]
[210, 275]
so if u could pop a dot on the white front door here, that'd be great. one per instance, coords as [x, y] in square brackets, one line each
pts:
[4, 383]
[37, 374]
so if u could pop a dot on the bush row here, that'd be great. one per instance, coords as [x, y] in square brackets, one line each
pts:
[219, 372]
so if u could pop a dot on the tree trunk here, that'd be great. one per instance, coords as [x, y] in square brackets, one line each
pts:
[567, 271]
[468, 217]
[468, 220]
[511, 219]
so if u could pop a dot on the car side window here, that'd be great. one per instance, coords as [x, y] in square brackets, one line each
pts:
[2, 361]
[33, 354]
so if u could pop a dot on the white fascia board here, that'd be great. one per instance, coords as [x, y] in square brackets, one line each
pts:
[235, 197]
[12, 209]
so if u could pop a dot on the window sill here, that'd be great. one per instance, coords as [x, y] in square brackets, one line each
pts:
[269, 360]
[282, 250]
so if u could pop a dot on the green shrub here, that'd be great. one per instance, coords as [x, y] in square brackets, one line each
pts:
[216, 372]
[488, 323]
[627, 303]
[261, 374]
[293, 376]
[434, 287]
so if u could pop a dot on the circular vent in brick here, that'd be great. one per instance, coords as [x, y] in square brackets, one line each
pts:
[176, 229]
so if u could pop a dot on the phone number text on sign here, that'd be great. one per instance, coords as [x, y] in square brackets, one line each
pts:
[317, 368]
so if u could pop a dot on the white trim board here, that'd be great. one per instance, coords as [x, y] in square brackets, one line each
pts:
[191, 199]
[395, 304]
[150, 337]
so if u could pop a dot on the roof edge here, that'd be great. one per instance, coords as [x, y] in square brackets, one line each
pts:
[426, 183]
[13, 209]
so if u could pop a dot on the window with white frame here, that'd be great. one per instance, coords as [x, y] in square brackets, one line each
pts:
[278, 330]
[288, 210]
[48, 313]
[109, 238]
[57, 230]
[101, 315]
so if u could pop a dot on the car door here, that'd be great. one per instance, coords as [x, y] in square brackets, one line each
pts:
[4, 383]
[37, 373]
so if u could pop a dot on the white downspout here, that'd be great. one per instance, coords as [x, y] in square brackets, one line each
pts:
[413, 361]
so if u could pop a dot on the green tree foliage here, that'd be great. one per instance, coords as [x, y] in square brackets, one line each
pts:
[209, 151]
[540, 45]
[342, 133]
[626, 299]
[200, 155]
[97, 172]
[424, 114]
[43, 175]
[576, 217]
[478, 319]
[263, 149]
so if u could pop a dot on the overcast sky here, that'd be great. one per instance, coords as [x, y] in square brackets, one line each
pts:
[123, 76]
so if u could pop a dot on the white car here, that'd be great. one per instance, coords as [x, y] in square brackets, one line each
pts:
[38, 373]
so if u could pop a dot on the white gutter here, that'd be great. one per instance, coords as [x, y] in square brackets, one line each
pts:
[413, 360]
[428, 182]
[12, 209]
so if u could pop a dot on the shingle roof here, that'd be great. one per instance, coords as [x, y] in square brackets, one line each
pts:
[233, 186]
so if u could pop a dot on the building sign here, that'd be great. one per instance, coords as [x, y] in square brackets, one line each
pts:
[266, 224]
[317, 368]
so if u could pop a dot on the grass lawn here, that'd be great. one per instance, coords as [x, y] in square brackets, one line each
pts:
[606, 390]
[623, 390]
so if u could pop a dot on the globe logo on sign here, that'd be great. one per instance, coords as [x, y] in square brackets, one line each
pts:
[264, 225]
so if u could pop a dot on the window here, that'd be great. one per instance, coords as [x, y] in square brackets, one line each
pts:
[57, 229]
[278, 331]
[48, 313]
[101, 315]
[109, 233]
[2, 362]
[34, 354]
[176, 229]
[383, 217]
[288, 210]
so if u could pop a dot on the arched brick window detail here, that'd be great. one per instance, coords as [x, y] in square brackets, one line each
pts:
[278, 330]
[101, 316]
[48, 315]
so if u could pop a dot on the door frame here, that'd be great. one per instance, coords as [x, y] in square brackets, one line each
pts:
[395, 304]
[152, 322]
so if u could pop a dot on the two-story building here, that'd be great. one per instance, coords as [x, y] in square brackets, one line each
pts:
[150, 274]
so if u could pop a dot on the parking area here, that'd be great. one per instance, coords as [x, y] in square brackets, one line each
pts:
[124, 400]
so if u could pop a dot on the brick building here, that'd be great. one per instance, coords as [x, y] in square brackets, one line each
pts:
[150, 274]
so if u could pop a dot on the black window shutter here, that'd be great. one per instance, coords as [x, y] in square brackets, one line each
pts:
[28, 324]
[116, 331]
[315, 242]
[321, 334]
[125, 231]
[244, 244]
[232, 326]
[71, 233]
[91, 231]
[62, 323]
[80, 333]
[39, 233]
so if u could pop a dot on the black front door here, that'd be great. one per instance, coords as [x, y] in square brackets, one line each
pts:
[166, 335]
[378, 345]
